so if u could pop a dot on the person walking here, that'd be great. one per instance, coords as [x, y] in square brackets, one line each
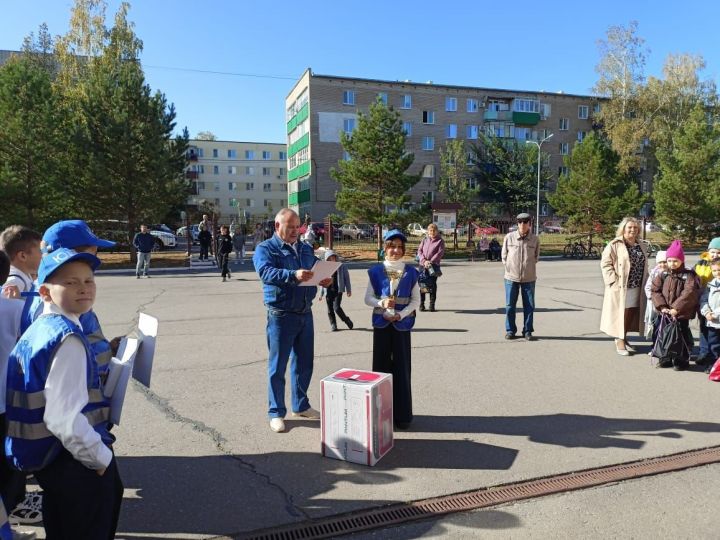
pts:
[624, 271]
[144, 243]
[334, 293]
[283, 264]
[239, 243]
[520, 253]
[223, 249]
[430, 253]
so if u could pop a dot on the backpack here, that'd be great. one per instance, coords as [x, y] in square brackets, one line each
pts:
[671, 348]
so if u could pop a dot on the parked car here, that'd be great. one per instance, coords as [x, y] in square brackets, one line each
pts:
[415, 229]
[353, 231]
[164, 237]
[194, 231]
[117, 231]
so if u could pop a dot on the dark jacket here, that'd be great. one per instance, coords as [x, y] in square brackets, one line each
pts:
[677, 290]
[144, 242]
[224, 244]
[204, 237]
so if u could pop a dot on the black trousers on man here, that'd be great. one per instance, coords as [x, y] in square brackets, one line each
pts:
[391, 354]
[333, 307]
[79, 504]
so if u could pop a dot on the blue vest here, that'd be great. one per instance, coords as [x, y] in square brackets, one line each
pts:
[29, 445]
[5, 531]
[31, 310]
[381, 287]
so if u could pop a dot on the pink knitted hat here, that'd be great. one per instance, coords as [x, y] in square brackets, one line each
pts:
[675, 251]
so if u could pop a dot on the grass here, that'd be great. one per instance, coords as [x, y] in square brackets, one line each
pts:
[161, 259]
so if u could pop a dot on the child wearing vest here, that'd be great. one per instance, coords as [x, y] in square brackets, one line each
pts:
[710, 311]
[394, 295]
[57, 415]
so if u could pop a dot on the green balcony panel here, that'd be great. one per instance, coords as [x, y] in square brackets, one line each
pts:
[298, 172]
[299, 118]
[299, 197]
[526, 118]
[298, 145]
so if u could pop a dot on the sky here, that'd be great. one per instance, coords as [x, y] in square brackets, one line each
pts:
[227, 65]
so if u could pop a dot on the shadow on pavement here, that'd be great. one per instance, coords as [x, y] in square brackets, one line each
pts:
[567, 430]
[501, 311]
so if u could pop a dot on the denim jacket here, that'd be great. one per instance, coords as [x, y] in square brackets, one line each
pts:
[276, 263]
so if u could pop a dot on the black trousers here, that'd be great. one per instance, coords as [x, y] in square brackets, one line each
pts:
[223, 259]
[204, 247]
[431, 284]
[12, 482]
[391, 354]
[333, 307]
[78, 504]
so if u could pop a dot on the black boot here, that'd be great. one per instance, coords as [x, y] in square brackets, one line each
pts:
[432, 301]
[422, 301]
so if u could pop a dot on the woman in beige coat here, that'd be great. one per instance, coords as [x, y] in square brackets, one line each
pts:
[624, 271]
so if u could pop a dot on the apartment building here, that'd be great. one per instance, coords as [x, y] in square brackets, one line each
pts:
[320, 107]
[240, 180]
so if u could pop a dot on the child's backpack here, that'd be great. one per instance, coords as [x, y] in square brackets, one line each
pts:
[671, 348]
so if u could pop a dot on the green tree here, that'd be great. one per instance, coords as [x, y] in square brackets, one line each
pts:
[595, 193]
[506, 173]
[687, 190]
[206, 136]
[455, 176]
[374, 182]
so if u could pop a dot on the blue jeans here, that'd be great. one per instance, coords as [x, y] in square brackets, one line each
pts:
[289, 336]
[143, 263]
[512, 288]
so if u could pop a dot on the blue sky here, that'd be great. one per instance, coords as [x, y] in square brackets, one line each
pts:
[547, 45]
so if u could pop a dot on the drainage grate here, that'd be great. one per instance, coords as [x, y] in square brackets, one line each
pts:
[374, 518]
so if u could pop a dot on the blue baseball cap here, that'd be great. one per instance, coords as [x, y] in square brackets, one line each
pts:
[52, 261]
[71, 233]
[394, 233]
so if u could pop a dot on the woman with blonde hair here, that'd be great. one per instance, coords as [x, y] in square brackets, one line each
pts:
[624, 270]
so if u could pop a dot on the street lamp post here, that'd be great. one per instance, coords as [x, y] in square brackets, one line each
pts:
[537, 205]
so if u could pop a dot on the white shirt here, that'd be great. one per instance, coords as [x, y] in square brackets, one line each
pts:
[10, 312]
[19, 279]
[65, 396]
[372, 301]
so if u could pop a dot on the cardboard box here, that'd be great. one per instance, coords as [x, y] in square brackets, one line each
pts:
[356, 416]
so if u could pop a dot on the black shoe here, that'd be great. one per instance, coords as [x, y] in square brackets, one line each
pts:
[333, 327]
[702, 360]
[432, 307]
[402, 425]
[509, 336]
[349, 324]
[422, 307]
[528, 336]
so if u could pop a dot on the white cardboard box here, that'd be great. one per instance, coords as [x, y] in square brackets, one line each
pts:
[356, 415]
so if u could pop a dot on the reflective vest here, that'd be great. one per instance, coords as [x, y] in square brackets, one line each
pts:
[5, 532]
[381, 287]
[29, 445]
[31, 310]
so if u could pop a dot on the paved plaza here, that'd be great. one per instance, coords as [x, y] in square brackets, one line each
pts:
[199, 461]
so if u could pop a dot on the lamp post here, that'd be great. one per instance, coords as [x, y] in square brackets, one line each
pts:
[537, 206]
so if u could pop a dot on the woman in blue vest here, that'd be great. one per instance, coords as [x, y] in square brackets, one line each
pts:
[394, 295]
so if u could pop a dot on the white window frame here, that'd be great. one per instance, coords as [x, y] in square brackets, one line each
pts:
[406, 101]
[471, 131]
[348, 97]
[428, 143]
[564, 124]
[472, 105]
[428, 117]
[250, 171]
[348, 125]
[266, 171]
[232, 169]
[266, 155]
[216, 169]
[249, 186]
[583, 112]
[581, 135]
[267, 187]
[232, 153]
[451, 104]
[451, 131]
[249, 154]
[564, 149]
[383, 97]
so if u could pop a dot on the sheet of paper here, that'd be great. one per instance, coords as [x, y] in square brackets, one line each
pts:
[121, 371]
[125, 355]
[321, 270]
[147, 330]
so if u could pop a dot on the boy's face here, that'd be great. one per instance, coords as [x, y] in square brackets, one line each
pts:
[29, 260]
[332, 258]
[71, 287]
[715, 271]
[224, 230]
[714, 254]
[674, 264]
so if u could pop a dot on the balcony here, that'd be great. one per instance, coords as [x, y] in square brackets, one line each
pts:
[191, 175]
[502, 116]
[526, 118]
[191, 154]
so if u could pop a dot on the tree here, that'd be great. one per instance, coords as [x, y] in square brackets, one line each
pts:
[206, 136]
[454, 181]
[687, 190]
[506, 173]
[595, 194]
[621, 78]
[374, 182]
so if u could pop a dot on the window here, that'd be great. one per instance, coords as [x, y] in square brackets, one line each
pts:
[233, 202]
[267, 187]
[451, 131]
[282, 155]
[250, 171]
[428, 171]
[201, 185]
[451, 104]
[250, 203]
[428, 143]
[216, 186]
[526, 105]
[201, 169]
[216, 169]
[473, 183]
[232, 169]
[581, 135]
[428, 117]
[406, 102]
[250, 186]
[564, 149]
[201, 152]
[562, 171]
[266, 154]
[428, 196]
[596, 110]
[266, 171]
[407, 128]
[215, 152]
[232, 153]
[348, 125]
[348, 97]
[564, 124]
[346, 156]
[232, 186]
[217, 202]
[472, 105]
[522, 134]
[267, 202]
[249, 154]
[281, 171]
[383, 97]
[282, 187]
[583, 112]
[545, 110]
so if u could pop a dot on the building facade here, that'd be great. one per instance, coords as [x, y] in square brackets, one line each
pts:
[242, 181]
[320, 107]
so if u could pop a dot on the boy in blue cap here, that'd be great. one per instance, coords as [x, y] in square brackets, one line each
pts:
[57, 414]
[394, 295]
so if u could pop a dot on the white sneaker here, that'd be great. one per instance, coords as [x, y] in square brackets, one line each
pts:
[277, 425]
[307, 414]
[29, 511]
[23, 535]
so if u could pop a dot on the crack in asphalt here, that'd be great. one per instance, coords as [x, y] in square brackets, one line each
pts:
[220, 442]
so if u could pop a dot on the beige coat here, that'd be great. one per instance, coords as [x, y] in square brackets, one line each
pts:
[615, 266]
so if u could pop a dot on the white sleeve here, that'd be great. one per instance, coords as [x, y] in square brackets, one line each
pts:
[16, 281]
[370, 298]
[65, 396]
[414, 302]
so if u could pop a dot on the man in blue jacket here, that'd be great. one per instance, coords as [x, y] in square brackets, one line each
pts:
[283, 264]
[144, 243]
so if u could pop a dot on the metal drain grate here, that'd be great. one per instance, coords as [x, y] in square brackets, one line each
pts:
[374, 518]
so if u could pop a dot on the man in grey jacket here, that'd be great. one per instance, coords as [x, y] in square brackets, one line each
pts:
[520, 253]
